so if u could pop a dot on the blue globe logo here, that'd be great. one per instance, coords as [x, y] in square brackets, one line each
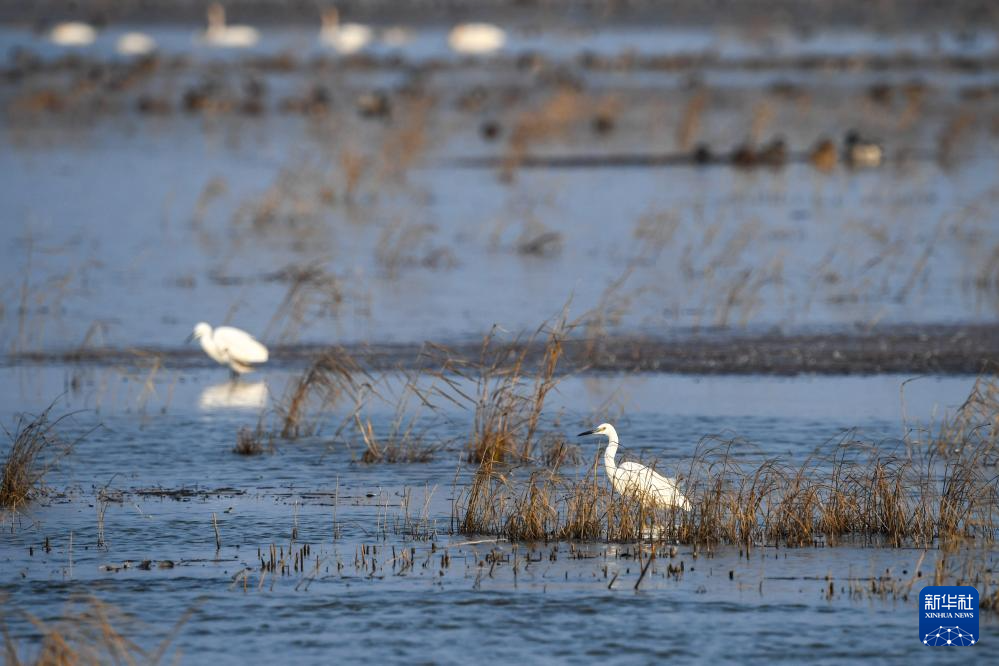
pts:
[949, 636]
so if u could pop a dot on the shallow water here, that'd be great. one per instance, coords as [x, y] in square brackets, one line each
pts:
[774, 604]
[112, 251]
[431, 42]
[132, 226]
[127, 226]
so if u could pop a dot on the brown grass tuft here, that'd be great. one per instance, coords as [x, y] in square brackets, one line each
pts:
[251, 442]
[508, 404]
[89, 632]
[35, 448]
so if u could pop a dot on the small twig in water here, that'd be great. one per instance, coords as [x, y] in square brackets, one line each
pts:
[218, 537]
[645, 569]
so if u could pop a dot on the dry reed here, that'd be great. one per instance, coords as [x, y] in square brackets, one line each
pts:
[88, 632]
[330, 377]
[507, 401]
[900, 495]
[35, 447]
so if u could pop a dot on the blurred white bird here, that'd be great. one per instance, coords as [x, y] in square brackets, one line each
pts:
[234, 395]
[72, 33]
[135, 43]
[635, 480]
[228, 36]
[345, 38]
[476, 38]
[861, 153]
[230, 346]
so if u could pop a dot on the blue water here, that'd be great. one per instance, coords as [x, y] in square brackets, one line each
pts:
[775, 606]
[123, 229]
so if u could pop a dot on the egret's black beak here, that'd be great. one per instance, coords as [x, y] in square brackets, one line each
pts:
[190, 338]
[588, 432]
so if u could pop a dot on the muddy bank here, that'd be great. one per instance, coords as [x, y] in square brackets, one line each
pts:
[935, 349]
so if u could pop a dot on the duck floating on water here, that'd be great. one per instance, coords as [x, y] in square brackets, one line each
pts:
[702, 154]
[823, 155]
[861, 153]
[774, 154]
[744, 156]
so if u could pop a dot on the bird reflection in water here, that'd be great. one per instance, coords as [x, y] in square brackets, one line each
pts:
[234, 395]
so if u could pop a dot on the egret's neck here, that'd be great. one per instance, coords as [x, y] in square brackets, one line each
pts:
[208, 344]
[610, 453]
[216, 19]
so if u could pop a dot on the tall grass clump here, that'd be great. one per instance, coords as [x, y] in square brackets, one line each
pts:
[331, 377]
[508, 399]
[35, 447]
[407, 438]
[939, 492]
[250, 442]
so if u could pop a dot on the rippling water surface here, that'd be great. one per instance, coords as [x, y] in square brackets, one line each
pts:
[280, 195]
[774, 604]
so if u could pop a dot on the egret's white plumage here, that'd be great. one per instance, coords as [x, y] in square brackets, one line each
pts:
[72, 33]
[345, 38]
[228, 36]
[633, 479]
[230, 346]
[135, 43]
[476, 38]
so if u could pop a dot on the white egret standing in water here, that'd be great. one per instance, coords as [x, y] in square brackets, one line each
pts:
[635, 480]
[345, 38]
[476, 38]
[135, 44]
[73, 33]
[220, 34]
[230, 346]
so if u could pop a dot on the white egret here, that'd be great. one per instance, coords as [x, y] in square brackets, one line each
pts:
[72, 33]
[633, 479]
[476, 38]
[228, 36]
[345, 38]
[230, 346]
[135, 44]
